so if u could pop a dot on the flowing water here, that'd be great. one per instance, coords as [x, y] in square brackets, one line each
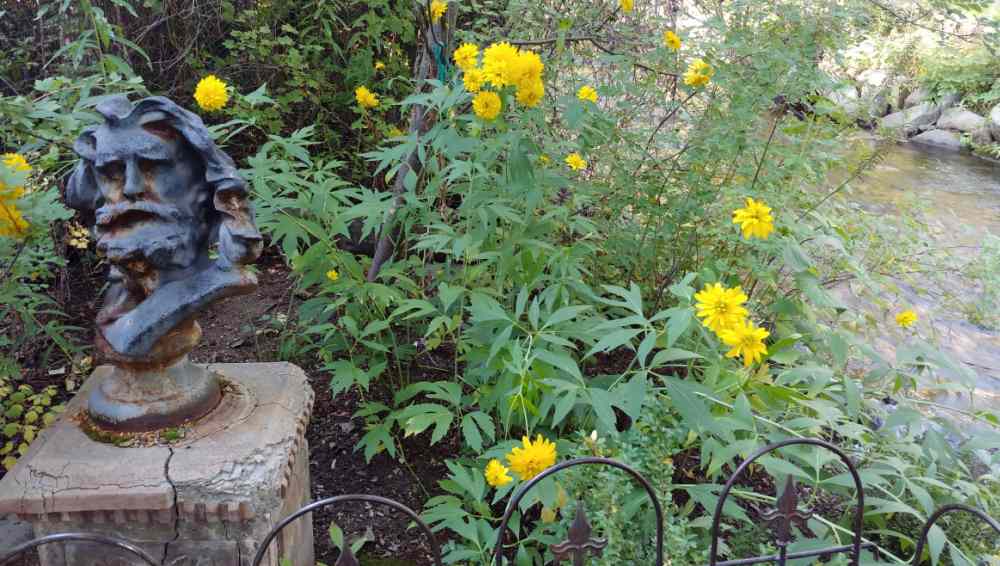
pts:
[960, 195]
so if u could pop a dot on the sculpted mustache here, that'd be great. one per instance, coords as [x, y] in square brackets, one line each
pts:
[108, 214]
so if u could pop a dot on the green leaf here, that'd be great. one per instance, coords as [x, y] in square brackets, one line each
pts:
[616, 339]
[633, 394]
[560, 360]
[673, 355]
[600, 400]
[470, 431]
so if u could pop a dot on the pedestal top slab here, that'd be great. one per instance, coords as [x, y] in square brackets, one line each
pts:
[220, 467]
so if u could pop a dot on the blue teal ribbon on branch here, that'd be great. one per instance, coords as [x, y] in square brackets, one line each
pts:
[444, 68]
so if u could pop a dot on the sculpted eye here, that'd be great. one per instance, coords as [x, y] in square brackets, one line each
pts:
[148, 166]
[113, 170]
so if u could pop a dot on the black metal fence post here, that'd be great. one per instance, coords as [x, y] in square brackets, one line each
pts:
[580, 542]
[787, 514]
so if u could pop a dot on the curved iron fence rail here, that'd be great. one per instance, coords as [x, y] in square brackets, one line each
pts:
[787, 512]
[112, 542]
[347, 557]
[941, 512]
[580, 540]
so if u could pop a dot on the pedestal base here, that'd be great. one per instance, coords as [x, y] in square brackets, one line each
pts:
[205, 500]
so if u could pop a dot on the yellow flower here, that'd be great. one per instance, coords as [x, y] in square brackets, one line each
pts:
[332, 275]
[16, 162]
[12, 224]
[211, 94]
[525, 70]
[626, 5]
[466, 56]
[531, 94]
[365, 97]
[473, 79]
[531, 458]
[575, 162]
[587, 93]
[497, 60]
[698, 73]
[746, 340]
[486, 105]
[544, 159]
[755, 219]
[438, 8]
[496, 474]
[671, 40]
[906, 318]
[379, 66]
[720, 308]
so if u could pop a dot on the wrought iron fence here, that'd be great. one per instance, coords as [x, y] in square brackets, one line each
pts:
[581, 543]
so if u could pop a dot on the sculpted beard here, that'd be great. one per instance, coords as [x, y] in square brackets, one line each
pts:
[157, 234]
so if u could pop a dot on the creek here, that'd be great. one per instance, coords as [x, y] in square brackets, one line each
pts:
[958, 197]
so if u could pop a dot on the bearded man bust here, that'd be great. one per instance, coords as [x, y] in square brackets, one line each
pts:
[173, 220]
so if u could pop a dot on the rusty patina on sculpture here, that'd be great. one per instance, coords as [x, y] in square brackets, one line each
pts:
[162, 194]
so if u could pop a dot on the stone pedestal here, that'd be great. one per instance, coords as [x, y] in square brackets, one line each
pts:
[206, 499]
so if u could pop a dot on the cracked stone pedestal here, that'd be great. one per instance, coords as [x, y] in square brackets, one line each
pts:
[205, 500]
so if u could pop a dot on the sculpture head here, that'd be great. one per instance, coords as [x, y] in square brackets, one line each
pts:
[162, 194]
[161, 191]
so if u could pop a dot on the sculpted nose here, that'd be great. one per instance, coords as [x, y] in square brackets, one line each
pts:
[135, 184]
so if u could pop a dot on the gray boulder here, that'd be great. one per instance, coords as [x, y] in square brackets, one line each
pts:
[939, 138]
[917, 97]
[960, 119]
[981, 136]
[846, 99]
[913, 118]
[949, 100]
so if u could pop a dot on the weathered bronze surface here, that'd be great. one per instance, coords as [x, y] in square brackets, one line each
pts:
[173, 218]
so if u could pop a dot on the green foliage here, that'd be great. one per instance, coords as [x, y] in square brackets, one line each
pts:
[974, 73]
[23, 413]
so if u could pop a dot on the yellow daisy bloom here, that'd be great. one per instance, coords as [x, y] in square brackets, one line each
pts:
[746, 340]
[438, 8]
[698, 73]
[587, 93]
[906, 318]
[473, 79]
[379, 66]
[496, 474]
[720, 308]
[16, 162]
[626, 5]
[671, 40]
[332, 275]
[211, 94]
[531, 94]
[755, 219]
[365, 97]
[487, 105]
[498, 59]
[575, 162]
[12, 224]
[466, 56]
[531, 458]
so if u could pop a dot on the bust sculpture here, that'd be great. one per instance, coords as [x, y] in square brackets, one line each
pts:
[173, 219]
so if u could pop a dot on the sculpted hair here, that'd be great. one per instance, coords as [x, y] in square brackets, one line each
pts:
[239, 241]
